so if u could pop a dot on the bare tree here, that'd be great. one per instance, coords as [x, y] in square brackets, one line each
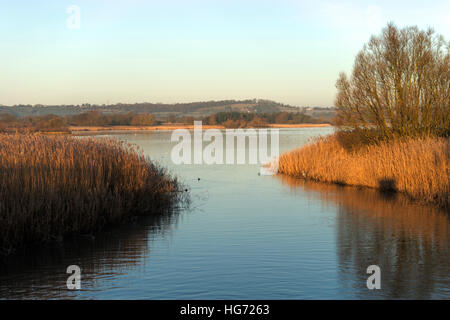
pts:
[400, 85]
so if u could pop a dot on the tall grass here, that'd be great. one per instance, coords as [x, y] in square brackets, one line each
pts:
[54, 186]
[417, 167]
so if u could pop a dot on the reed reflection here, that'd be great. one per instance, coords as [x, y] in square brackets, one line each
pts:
[41, 273]
[409, 242]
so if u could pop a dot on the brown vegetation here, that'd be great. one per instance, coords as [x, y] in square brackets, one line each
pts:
[53, 123]
[393, 120]
[418, 167]
[145, 121]
[258, 120]
[174, 126]
[54, 186]
[47, 123]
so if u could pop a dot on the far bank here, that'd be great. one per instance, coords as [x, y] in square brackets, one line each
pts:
[168, 127]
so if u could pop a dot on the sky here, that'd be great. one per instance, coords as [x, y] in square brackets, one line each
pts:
[126, 51]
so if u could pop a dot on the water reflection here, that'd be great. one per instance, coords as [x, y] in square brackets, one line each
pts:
[408, 241]
[247, 236]
[40, 273]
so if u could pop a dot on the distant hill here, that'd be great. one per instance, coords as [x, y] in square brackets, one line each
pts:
[194, 109]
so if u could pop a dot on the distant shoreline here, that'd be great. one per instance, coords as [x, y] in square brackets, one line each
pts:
[181, 126]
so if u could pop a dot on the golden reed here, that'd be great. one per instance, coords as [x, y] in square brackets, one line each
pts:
[54, 186]
[417, 167]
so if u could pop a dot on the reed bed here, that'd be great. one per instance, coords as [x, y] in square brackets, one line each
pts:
[55, 186]
[418, 167]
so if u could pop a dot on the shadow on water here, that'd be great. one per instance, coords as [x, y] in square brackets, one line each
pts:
[410, 242]
[40, 273]
[387, 186]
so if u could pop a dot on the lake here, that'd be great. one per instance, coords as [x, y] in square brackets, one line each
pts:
[249, 236]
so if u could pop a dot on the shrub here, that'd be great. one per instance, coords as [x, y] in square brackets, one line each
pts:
[400, 86]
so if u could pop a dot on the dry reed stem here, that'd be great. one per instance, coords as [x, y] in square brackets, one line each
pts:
[417, 167]
[52, 186]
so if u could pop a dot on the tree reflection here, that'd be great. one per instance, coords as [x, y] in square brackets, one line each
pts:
[409, 242]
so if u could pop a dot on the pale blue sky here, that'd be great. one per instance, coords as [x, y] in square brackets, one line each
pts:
[290, 51]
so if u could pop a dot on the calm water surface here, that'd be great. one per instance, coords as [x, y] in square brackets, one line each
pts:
[247, 236]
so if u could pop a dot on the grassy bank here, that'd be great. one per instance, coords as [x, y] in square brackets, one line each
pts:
[417, 167]
[168, 126]
[55, 186]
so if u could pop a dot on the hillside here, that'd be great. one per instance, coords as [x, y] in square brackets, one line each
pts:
[178, 109]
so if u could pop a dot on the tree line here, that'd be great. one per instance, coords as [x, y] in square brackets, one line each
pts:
[51, 123]
[258, 120]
